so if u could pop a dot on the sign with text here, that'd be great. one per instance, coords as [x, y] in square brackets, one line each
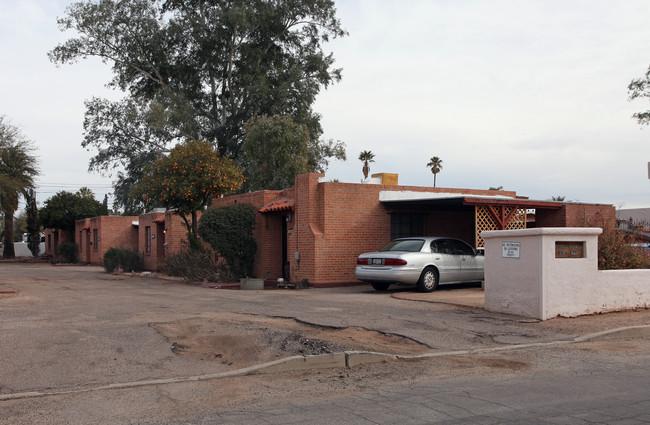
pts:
[510, 249]
[569, 249]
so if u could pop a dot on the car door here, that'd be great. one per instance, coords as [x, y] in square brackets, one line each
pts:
[446, 261]
[471, 265]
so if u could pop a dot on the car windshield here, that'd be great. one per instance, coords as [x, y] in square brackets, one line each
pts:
[408, 245]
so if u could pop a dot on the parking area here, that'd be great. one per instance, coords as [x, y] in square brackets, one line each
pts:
[79, 329]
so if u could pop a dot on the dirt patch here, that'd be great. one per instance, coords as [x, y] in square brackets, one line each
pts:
[243, 340]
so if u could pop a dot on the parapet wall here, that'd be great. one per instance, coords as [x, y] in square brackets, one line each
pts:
[548, 272]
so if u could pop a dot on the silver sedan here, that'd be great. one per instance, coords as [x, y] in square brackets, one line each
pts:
[422, 261]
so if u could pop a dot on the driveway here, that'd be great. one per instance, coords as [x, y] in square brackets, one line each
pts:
[80, 346]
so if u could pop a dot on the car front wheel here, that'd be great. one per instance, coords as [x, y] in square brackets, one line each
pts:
[380, 286]
[428, 280]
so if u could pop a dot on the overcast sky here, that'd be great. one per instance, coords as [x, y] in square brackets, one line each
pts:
[528, 95]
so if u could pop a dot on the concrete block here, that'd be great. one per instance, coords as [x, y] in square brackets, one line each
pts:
[252, 284]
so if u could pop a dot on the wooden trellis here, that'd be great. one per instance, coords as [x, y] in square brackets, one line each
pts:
[498, 217]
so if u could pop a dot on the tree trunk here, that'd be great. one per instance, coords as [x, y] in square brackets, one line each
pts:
[365, 170]
[194, 223]
[434, 179]
[8, 251]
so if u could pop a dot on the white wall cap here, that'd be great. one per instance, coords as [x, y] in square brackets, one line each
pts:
[408, 195]
[543, 231]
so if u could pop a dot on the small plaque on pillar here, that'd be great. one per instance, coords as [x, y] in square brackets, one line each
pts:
[510, 249]
[569, 249]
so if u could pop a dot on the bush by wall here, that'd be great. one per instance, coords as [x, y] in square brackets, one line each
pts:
[193, 265]
[68, 251]
[229, 231]
[615, 251]
[125, 259]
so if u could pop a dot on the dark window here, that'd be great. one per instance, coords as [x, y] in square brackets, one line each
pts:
[406, 225]
[462, 248]
[408, 245]
[95, 240]
[148, 239]
[442, 246]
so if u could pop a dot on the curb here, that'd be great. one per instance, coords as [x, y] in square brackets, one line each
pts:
[346, 359]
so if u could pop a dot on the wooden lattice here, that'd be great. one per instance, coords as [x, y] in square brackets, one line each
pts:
[485, 220]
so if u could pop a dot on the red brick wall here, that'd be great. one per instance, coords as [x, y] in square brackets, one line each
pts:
[54, 238]
[82, 239]
[332, 223]
[577, 215]
[268, 230]
[175, 234]
[155, 257]
[112, 232]
[335, 223]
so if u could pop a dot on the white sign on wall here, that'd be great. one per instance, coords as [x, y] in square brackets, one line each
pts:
[510, 249]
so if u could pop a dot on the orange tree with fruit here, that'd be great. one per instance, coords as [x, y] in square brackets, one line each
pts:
[187, 179]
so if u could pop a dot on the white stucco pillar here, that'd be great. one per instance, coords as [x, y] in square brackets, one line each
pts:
[539, 272]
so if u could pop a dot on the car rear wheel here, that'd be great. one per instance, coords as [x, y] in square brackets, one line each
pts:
[380, 286]
[428, 280]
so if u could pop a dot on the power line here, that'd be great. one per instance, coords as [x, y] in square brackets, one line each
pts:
[73, 185]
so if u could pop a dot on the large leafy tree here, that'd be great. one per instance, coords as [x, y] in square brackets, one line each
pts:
[199, 69]
[188, 178]
[64, 208]
[18, 168]
[277, 148]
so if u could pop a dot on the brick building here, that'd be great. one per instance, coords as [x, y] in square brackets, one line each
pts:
[54, 238]
[155, 235]
[94, 236]
[316, 229]
[161, 233]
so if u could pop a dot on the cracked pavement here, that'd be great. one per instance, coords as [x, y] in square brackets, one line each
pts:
[78, 329]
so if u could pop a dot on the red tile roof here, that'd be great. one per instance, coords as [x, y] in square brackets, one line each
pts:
[281, 204]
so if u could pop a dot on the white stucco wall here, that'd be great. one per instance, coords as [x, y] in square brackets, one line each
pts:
[541, 286]
[22, 250]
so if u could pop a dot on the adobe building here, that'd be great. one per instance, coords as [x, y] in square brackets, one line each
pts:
[155, 235]
[54, 238]
[161, 234]
[94, 236]
[316, 229]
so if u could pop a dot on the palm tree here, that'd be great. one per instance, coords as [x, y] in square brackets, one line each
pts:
[17, 171]
[366, 157]
[435, 164]
[86, 193]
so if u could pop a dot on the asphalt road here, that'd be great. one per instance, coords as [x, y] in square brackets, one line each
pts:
[87, 340]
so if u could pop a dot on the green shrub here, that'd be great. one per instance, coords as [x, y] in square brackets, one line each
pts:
[68, 251]
[120, 258]
[193, 265]
[229, 231]
[615, 252]
[194, 243]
